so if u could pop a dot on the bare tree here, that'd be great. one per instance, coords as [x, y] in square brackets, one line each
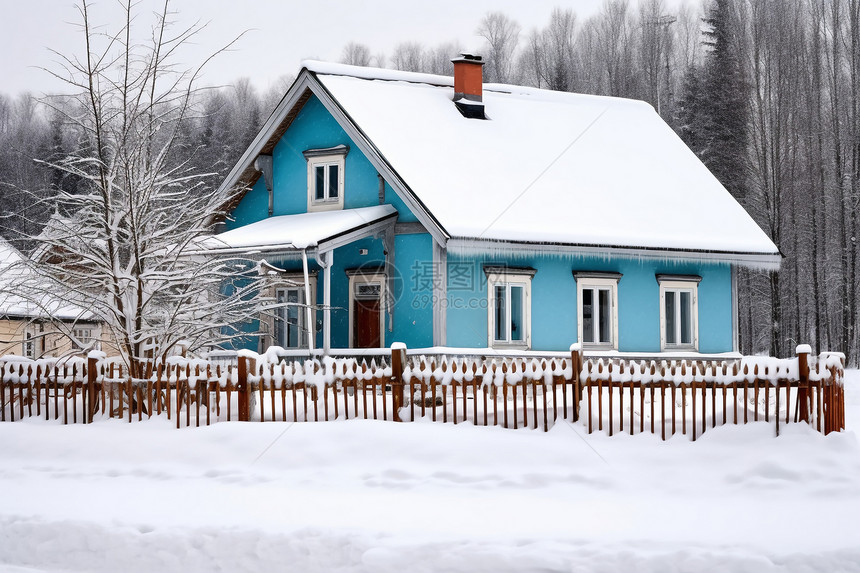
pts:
[270, 98]
[438, 60]
[559, 40]
[356, 54]
[774, 82]
[126, 247]
[688, 34]
[548, 60]
[379, 60]
[655, 41]
[529, 61]
[502, 35]
[616, 47]
[409, 57]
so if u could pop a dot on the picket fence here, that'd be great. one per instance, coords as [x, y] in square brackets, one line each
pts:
[609, 395]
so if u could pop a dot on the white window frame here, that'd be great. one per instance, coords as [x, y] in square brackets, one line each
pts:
[508, 277]
[288, 281]
[677, 284]
[325, 158]
[367, 278]
[83, 334]
[598, 281]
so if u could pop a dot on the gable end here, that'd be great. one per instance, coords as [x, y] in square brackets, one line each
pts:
[245, 175]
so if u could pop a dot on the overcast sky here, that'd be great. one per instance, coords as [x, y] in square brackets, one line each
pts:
[280, 33]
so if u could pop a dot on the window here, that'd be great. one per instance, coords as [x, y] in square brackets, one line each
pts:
[679, 315]
[326, 177]
[509, 309]
[291, 330]
[597, 308]
[82, 336]
[288, 324]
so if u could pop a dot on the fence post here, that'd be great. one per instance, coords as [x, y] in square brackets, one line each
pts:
[92, 395]
[398, 361]
[834, 400]
[576, 368]
[246, 364]
[803, 351]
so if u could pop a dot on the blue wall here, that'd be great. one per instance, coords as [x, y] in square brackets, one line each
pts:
[413, 315]
[554, 320]
[313, 128]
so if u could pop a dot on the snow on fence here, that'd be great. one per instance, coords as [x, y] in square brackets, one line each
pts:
[612, 395]
[688, 395]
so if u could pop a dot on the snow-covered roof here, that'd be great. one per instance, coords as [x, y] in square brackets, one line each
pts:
[286, 232]
[15, 275]
[545, 167]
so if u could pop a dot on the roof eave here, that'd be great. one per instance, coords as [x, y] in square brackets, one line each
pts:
[753, 259]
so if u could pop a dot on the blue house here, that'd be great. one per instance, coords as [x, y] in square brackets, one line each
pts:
[437, 211]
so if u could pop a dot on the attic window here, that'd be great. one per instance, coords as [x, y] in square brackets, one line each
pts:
[326, 177]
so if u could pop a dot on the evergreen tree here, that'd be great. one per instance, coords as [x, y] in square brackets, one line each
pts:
[690, 113]
[724, 103]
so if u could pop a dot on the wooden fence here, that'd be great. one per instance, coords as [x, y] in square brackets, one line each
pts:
[611, 395]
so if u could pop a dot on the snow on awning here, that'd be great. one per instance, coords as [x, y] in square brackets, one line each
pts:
[306, 230]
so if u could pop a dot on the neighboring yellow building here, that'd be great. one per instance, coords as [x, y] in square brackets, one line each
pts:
[54, 328]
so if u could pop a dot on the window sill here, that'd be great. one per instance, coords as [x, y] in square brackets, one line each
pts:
[325, 206]
[510, 345]
[680, 348]
[594, 346]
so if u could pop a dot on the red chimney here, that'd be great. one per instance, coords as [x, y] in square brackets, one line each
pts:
[469, 85]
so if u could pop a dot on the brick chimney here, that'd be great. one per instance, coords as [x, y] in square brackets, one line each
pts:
[469, 86]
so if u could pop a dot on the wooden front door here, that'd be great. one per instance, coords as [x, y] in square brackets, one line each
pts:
[365, 327]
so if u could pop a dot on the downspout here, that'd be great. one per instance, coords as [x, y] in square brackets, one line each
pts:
[309, 314]
[388, 243]
[327, 258]
[735, 314]
[440, 295]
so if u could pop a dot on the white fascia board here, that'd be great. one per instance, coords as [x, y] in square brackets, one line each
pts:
[378, 161]
[764, 261]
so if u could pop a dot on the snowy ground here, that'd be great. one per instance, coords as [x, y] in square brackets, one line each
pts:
[375, 496]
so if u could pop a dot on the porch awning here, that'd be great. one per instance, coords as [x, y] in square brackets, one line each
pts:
[323, 230]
